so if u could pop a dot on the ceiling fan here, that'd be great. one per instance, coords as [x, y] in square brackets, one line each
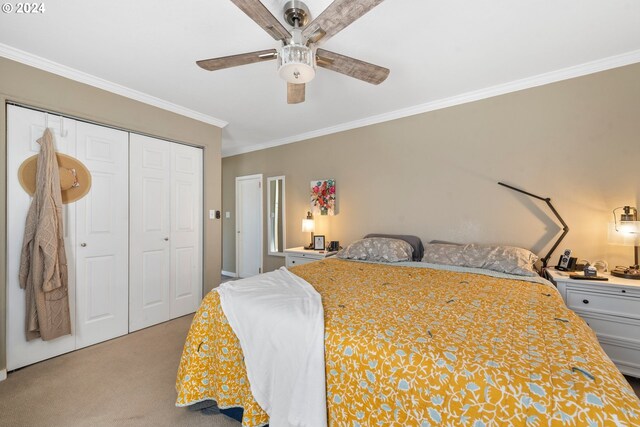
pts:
[299, 54]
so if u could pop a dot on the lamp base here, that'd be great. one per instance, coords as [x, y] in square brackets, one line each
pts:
[310, 246]
[632, 272]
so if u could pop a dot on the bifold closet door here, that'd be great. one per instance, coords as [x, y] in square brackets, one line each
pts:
[186, 229]
[95, 227]
[24, 128]
[150, 248]
[165, 276]
[102, 236]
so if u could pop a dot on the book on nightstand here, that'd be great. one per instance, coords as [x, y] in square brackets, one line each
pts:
[577, 276]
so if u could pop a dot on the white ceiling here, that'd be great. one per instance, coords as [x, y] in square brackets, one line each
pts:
[439, 53]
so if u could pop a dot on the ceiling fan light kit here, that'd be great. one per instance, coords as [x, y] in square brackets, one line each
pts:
[296, 64]
[296, 61]
[299, 55]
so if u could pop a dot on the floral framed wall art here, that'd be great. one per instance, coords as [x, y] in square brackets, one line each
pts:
[323, 196]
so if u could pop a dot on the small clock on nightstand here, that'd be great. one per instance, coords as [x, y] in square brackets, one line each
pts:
[612, 309]
[299, 256]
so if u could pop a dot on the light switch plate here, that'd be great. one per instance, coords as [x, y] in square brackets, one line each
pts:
[212, 214]
[227, 215]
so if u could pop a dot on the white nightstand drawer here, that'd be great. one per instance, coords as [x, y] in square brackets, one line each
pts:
[612, 310]
[292, 261]
[300, 256]
[603, 303]
[626, 359]
[614, 327]
[605, 289]
[311, 255]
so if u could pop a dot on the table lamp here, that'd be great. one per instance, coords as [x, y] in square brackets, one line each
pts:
[626, 232]
[309, 226]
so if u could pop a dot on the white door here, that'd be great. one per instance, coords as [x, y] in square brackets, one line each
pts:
[249, 225]
[186, 229]
[24, 128]
[150, 193]
[166, 231]
[102, 236]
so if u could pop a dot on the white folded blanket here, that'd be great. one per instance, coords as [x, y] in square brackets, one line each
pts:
[279, 321]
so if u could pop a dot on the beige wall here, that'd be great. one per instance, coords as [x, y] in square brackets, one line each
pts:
[30, 86]
[435, 174]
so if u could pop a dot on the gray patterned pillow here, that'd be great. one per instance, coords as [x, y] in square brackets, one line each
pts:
[380, 249]
[505, 259]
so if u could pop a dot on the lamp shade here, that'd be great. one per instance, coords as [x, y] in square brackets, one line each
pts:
[629, 228]
[626, 230]
[624, 233]
[308, 225]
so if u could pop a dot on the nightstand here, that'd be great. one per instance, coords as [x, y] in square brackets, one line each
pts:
[299, 256]
[612, 310]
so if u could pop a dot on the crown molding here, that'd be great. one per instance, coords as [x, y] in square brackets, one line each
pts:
[91, 80]
[604, 64]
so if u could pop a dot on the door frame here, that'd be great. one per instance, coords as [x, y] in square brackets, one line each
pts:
[260, 222]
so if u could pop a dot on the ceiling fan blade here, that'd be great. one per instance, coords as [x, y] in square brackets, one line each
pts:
[295, 93]
[261, 15]
[352, 67]
[235, 60]
[336, 17]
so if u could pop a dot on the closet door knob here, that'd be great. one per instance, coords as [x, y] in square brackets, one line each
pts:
[84, 245]
[166, 239]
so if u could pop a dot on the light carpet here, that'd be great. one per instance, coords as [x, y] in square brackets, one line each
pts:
[128, 381]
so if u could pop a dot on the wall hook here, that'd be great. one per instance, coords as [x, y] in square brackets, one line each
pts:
[63, 132]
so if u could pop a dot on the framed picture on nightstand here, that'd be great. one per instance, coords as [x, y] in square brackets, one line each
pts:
[318, 243]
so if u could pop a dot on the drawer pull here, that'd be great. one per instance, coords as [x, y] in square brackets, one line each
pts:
[586, 301]
[624, 291]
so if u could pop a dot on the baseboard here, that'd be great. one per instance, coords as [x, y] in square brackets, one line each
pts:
[229, 273]
[3, 375]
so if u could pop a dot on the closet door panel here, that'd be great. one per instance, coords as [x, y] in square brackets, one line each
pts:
[24, 128]
[150, 191]
[102, 219]
[186, 229]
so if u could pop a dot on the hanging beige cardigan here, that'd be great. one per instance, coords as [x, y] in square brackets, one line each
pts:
[43, 264]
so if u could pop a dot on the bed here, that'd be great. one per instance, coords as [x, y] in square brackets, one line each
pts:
[419, 344]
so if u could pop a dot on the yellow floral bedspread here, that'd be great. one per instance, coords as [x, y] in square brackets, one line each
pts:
[409, 346]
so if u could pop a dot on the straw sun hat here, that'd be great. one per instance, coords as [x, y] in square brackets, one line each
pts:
[75, 178]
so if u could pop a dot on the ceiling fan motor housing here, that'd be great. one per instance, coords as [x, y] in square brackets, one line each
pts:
[295, 10]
